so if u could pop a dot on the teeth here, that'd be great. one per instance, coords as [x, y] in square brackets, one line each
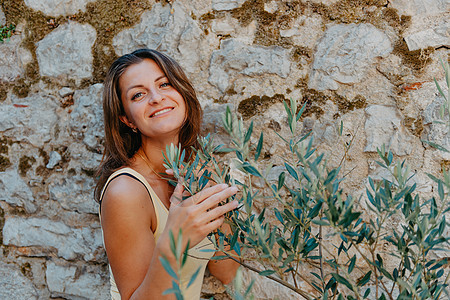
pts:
[161, 112]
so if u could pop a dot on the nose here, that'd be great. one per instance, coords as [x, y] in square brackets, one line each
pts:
[155, 96]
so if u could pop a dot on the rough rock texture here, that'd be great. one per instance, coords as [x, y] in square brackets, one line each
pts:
[13, 285]
[69, 243]
[57, 7]
[305, 31]
[344, 62]
[236, 57]
[2, 17]
[52, 51]
[16, 192]
[383, 126]
[344, 54]
[21, 123]
[420, 7]
[166, 29]
[437, 36]
[14, 59]
[67, 282]
[438, 132]
[226, 4]
[86, 119]
[74, 193]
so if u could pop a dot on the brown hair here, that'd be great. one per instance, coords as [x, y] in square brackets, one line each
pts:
[121, 143]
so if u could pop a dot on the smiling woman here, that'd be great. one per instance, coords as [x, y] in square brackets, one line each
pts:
[149, 103]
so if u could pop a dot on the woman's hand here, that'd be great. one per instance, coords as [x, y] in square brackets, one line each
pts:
[199, 214]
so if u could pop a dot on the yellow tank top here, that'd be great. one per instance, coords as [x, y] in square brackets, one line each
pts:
[196, 257]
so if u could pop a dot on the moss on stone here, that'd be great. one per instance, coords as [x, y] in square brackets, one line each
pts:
[4, 143]
[89, 172]
[37, 26]
[4, 163]
[2, 223]
[4, 87]
[344, 105]
[415, 126]
[345, 11]
[416, 59]
[313, 100]
[299, 52]
[44, 155]
[25, 164]
[4, 149]
[445, 165]
[108, 17]
[26, 270]
[206, 19]
[268, 24]
[274, 125]
[258, 104]
[42, 171]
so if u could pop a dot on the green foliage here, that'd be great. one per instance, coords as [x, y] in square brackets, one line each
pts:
[319, 234]
[6, 32]
[181, 256]
[445, 108]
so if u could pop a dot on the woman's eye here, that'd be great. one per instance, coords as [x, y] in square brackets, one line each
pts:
[137, 95]
[165, 84]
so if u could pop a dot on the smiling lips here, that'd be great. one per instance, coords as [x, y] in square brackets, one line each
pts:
[161, 112]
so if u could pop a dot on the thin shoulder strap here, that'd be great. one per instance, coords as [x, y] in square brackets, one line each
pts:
[158, 205]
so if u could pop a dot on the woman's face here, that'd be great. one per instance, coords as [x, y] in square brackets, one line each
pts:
[151, 104]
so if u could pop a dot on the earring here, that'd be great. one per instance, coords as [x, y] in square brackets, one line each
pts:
[134, 130]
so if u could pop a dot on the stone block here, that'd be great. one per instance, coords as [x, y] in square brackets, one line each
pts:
[32, 119]
[72, 282]
[306, 31]
[226, 4]
[66, 52]
[86, 118]
[384, 126]
[235, 57]
[13, 285]
[74, 193]
[435, 37]
[70, 243]
[420, 7]
[2, 17]
[438, 130]
[345, 53]
[169, 30]
[54, 159]
[15, 191]
[13, 58]
[58, 7]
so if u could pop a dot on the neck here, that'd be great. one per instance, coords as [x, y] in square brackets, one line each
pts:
[153, 153]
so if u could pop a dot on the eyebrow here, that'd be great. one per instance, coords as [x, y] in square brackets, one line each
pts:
[140, 85]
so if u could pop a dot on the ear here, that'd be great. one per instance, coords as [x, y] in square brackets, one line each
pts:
[127, 122]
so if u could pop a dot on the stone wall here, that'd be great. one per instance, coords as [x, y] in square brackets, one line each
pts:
[367, 63]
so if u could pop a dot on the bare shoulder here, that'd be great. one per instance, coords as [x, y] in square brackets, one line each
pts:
[128, 219]
[125, 199]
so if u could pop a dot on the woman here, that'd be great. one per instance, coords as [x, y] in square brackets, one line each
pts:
[149, 103]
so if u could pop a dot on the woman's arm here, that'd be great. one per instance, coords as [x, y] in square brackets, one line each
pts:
[224, 269]
[127, 215]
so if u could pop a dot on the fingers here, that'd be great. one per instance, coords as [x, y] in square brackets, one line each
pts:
[220, 211]
[213, 225]
[177, 195]
[210, 191]
[218, 197]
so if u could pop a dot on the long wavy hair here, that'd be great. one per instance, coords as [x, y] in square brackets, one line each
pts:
[121, 143]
